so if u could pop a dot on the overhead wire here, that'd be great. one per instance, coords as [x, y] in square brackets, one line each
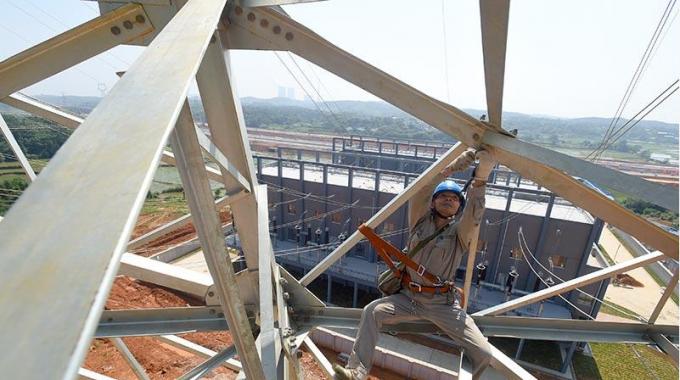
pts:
[547, 285]
[642, 65]
[316, 104]
[323, 101]
[523, 241]
[616, 136]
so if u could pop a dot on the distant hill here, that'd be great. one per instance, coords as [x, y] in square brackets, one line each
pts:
[377, 118]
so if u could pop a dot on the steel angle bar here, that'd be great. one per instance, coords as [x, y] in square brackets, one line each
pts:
[267, 344]
[572, 284]
[14, 145]
[662, 195]
[667, 346]
[319, 357]
[199, 350]
[172, 226]
[269, 3]
[494, 24]
[507, 366]
[71, 121]
[295, 37]
[213, 174]
[72, 47]
[84, 373]
[591, 200]
[670, 288]
[571, 330]
[470, 265]
[130, 359]
[228, 133]
[174, 320]
[195, 181]
[226, 167]
[167, 275]
[387, 210]
[85, 203]
[44, 110]
[210, 364]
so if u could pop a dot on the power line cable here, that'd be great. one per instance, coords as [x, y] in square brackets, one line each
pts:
[612, 305]
[638, 71]
[621, 132]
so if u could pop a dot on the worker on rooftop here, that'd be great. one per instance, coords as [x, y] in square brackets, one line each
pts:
[441, 228]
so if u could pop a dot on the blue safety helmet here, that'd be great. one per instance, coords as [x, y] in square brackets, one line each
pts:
[453, 187]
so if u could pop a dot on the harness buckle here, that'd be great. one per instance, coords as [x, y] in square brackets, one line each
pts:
[421, 270]
[416, 285]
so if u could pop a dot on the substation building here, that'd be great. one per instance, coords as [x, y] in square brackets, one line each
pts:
[530, 238]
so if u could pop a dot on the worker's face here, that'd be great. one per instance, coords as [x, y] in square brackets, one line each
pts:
[446, 203]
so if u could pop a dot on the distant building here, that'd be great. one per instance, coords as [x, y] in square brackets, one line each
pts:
[281, 92]
[659, 157]
[290, 93]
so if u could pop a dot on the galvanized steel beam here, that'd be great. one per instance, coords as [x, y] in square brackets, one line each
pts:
[591, 200]
[494, 23]
[18, 153]
[572, 284]
[72, 47]
[107, 166]
[670, 288]
[195, 181]
[213, 362]
[662, 195]
[130, 359]
[199, 350]
[228, 132]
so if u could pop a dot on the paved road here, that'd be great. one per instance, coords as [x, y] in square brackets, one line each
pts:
[641, 300]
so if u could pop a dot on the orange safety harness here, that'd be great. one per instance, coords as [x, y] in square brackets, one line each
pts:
[385, 250]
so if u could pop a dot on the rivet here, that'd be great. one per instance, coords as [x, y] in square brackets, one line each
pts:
[127, 24]
[238, 11]
[115, 30]
[475, 137]
[289, 36]
[211, 294]
[140, 19]
[251, 16]
[276, 29]
[264, 23]
[212, 311]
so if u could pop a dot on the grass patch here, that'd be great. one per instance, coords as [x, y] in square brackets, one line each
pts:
[623, 361]
[173, 202]
[543, 353]
[605, 308]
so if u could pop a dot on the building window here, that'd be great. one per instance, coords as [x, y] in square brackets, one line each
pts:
[291, 208]
[317, 213]
[336, 217]
[557, 261]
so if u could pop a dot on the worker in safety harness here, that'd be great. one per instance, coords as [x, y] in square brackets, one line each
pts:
[441, 216]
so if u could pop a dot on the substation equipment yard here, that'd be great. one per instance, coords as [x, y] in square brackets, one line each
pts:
[67, 237]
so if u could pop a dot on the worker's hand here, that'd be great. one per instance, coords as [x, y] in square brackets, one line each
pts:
[461, 162]
[486, 164]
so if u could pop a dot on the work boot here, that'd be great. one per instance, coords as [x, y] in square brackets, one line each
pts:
[342, 373]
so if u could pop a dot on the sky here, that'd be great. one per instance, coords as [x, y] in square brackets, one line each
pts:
[564, 59]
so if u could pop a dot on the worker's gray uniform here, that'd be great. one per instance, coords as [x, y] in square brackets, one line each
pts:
[441, 256]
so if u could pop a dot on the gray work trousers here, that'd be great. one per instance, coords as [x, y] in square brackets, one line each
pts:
[406, 306]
